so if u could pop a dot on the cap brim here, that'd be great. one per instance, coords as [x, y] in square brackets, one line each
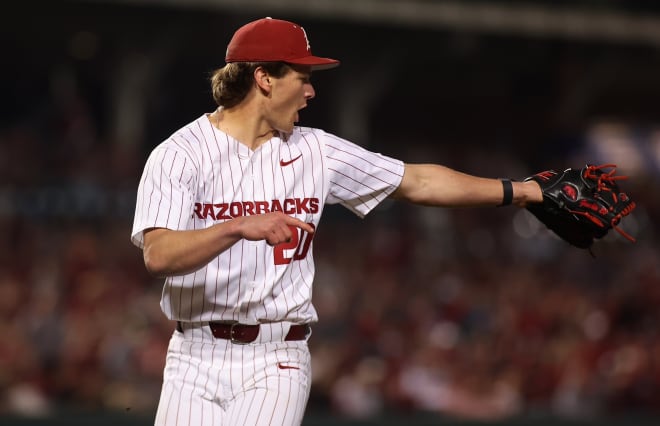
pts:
[315, 62]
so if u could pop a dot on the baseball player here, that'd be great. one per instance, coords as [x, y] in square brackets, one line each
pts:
[226, 212]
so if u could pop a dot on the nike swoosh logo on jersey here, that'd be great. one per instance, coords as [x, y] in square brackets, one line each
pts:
[286, 163]
[286, 367]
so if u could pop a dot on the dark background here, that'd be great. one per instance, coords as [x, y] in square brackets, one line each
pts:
[444, 314]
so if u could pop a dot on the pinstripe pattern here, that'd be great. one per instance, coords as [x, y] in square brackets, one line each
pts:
[214, 382]
[200, 164]
[200, 176]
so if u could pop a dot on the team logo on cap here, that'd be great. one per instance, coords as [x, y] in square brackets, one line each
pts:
[309, 48]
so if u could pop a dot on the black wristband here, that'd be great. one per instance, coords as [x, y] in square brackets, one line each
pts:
[507, 188]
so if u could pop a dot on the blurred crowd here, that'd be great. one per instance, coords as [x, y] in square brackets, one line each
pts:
[468, 313]
[486, 336]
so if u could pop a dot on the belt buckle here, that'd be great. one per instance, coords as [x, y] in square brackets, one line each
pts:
[232, 339]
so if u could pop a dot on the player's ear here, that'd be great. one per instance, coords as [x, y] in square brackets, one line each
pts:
[263, 80]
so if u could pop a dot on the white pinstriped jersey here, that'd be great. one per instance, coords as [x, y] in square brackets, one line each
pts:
[201, 176]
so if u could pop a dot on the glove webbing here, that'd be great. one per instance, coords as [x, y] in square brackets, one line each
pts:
[602, 181]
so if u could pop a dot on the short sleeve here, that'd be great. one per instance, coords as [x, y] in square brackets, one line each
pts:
[360, 179]
[165, 194]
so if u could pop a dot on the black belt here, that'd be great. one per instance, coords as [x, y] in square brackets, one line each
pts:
[244, 333]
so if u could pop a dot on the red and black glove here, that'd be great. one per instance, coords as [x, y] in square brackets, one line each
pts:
[580, 205]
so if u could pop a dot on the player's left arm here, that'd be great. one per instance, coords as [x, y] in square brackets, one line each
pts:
[436, 185]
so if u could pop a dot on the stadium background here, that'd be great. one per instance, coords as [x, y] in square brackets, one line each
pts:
[428, 316]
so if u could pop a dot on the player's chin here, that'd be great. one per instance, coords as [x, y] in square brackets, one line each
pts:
[287, 128]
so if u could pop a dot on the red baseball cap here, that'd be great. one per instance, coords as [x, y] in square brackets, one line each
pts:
[274, 40]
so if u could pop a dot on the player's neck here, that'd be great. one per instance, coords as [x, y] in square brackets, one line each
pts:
[242, 125]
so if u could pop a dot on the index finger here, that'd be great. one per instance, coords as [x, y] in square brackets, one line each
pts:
[307, 227]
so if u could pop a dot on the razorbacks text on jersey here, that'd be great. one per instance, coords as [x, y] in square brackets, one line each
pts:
[201, 176]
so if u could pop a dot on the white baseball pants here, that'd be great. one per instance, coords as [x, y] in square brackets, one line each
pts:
[209, 381]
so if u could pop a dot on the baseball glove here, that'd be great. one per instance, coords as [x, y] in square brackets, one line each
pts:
[580, 205]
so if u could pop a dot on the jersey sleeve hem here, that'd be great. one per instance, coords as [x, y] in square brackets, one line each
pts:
[362, 209]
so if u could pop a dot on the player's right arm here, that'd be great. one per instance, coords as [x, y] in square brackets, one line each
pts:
[167, 252]
[165, 200]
